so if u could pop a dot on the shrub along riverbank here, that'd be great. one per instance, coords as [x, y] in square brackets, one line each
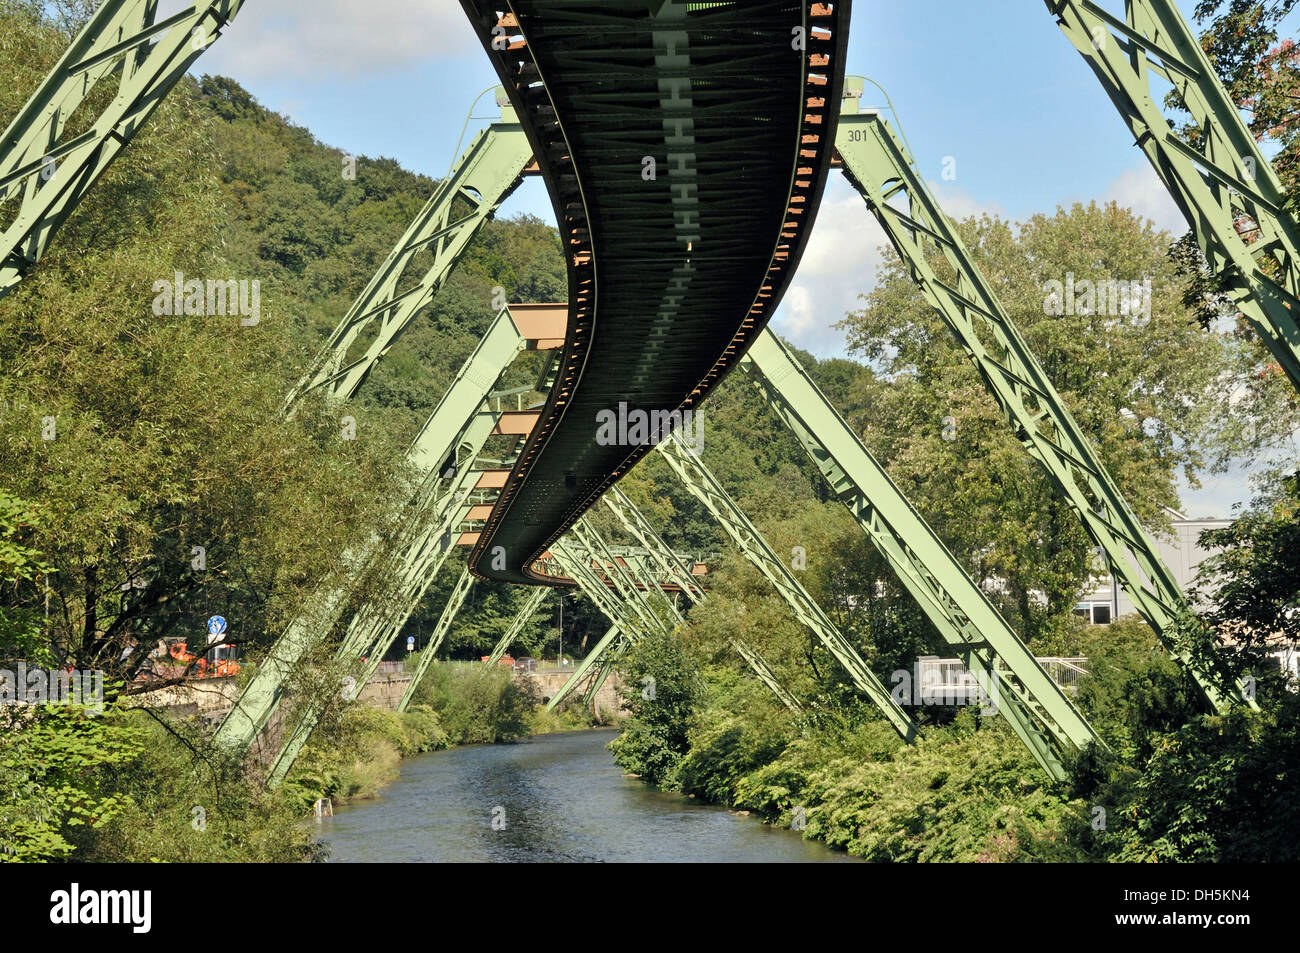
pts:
[360, 752]
[1174, 785]
[133, 786]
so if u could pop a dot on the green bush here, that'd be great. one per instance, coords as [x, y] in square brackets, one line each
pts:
[662, 691]
[476, 705]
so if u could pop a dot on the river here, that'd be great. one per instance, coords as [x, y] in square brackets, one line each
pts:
[552, 798]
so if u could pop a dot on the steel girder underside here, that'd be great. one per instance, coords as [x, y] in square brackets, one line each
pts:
[671, 277]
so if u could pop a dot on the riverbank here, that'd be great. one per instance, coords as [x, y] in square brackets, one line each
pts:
[358, 754]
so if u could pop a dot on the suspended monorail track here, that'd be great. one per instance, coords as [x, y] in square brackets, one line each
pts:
[685, 147]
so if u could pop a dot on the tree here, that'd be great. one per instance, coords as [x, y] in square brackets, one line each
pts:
[662, 691]
[1261, 72]
[1252, 581]
[1148, 389]
[170, 486]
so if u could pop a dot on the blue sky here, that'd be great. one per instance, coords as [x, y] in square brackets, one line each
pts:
[992, 83]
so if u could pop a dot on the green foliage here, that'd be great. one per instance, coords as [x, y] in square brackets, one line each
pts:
[1218, 789]
[662, 690]
[57, 773]
[744, 728]
[1151, 395]
[1253, 580]
[476, 705]
[1260, 71]
[352, 757]
[20, 566]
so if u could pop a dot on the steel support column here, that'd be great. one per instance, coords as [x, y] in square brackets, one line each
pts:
[52, 171]
[883, 172]
[1039, 712]
[706, 488]
[1222, 181]
[525, 615]
[481, 180]
[636, 524]
[457, 599]
[431, 451]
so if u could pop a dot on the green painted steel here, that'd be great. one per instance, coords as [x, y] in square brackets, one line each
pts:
[53, 170]
[612, 635]
[671, 568]
[374, 627]
[767, 676]
[607, 665]
[585, 535]
[484, 177]
[578, 568]
[639, 528]
[531, 605]
[459, 593]
[377, 626]
[1035, 706]
[878, 165]
[705, 487]
[432, 449]
[1223, 183]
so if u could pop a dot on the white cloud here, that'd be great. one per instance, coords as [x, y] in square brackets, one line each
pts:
[1140, 190]
[844, 253]
[840, 262]
[960, 204]
[333, 39]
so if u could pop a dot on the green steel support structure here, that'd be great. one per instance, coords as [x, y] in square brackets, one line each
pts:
[430, 452]
[1035, 706]
[612, 635]
[49, 170]
[481, 180]
[578, 568]
[767, 676]
[1223, 183]
[636, 524]
[374, 628]
[877, 164]
[457, 599]
[531, 605]
[595, 549]
[706, 488]
[360, 641]
[639, 528]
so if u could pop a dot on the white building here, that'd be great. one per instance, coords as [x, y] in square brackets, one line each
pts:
[1182, 553]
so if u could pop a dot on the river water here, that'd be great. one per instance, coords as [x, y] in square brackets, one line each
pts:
[552, 798]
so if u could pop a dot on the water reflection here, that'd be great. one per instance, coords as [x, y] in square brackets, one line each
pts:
[553, 798]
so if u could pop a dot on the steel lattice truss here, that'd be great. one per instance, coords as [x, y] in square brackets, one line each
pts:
[1219, 177]
[882, 171]
[49, 170]
[584, 109]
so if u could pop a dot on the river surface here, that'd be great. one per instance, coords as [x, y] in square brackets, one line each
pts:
[553, 798]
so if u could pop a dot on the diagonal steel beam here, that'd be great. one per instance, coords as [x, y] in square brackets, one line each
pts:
[50, 171]
[1034, 705]
[433, 449]
[1220, 178]
[636, 524]
[484, 177]
[525, 615]
[705, 487]
[877, 164]
[459, 593]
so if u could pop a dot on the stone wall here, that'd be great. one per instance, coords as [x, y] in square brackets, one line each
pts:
[607, 703]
